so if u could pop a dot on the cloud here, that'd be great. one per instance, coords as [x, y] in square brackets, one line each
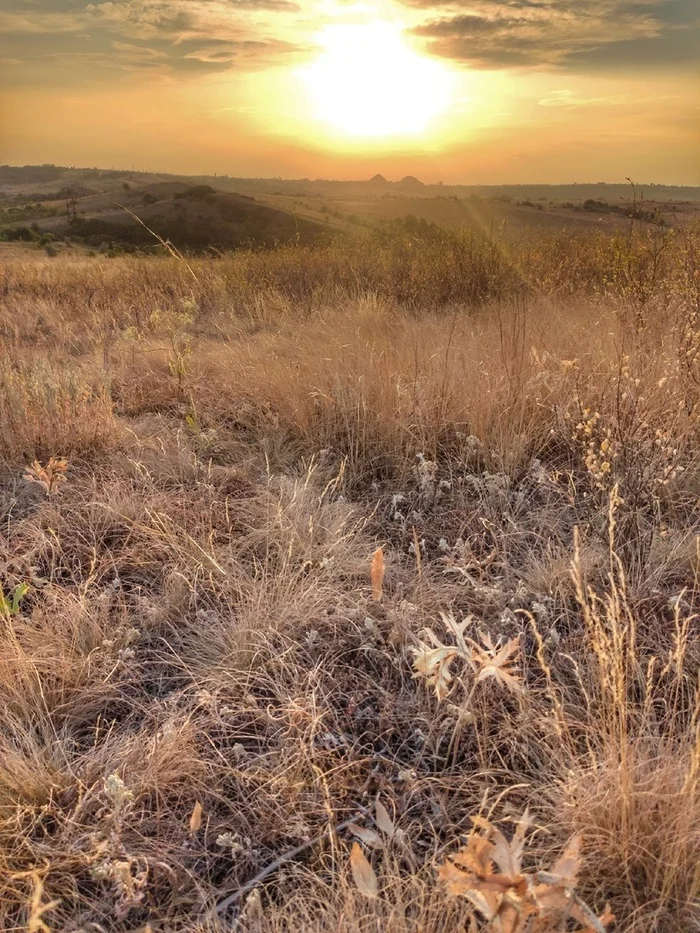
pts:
[163, 35]
[138, 52]
[177, 18]
[19, 21]
[577, 35]
[567, 99]
[254, 52]
[209, 54]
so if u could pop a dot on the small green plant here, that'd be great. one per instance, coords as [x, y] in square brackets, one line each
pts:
[192, 422]
[178, 364]
[10, 605]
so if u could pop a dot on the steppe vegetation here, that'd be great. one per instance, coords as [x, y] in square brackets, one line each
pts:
[347, 558]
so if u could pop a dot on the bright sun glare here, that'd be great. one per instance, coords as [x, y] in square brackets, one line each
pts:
[368, 82]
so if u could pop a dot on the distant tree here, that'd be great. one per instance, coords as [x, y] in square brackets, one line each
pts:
[196, 193]
[73, 193]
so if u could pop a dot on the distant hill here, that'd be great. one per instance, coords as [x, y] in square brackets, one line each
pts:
[192, 217]
[42, 204]
[30, 180]
[410, 181]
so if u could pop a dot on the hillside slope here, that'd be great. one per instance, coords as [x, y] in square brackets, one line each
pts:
[191, 217]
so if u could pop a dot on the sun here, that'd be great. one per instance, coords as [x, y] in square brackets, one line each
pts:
[369, 82]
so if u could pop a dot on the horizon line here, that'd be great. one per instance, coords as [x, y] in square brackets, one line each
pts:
[379, 177]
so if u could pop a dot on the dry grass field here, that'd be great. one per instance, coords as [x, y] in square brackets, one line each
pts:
[348, 558]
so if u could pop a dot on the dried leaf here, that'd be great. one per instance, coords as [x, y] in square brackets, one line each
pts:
[377, 574]
[457, 883]
[362, 872]
[368, 836]
[49, 477]
[606, 918]
[511, 901]
[584, 915]
[505, 856]
[485, 891]
[552, 898]
[196, 818]
[568, 864]
[456, 629]
[487, 902]
[476, 857]
[497, 663]
[508, 920]
[383, 820]
[508, 855]
[434, 665]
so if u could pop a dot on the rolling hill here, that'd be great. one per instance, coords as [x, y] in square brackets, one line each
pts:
[111, 209]
[190, 216]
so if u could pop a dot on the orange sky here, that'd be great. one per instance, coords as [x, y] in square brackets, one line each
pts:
[489, 91]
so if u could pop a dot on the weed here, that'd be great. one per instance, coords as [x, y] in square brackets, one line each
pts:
[10, 605]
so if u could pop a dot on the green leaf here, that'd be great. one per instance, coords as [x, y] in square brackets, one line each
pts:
[17, 597]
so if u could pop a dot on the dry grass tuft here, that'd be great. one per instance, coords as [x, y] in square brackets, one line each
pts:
[358, 549]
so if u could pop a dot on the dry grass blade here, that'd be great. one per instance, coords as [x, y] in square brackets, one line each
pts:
[166, 244]
[416, 550]
[35, 922]
[194, 693]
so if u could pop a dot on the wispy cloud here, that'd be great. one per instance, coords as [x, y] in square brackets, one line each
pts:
[570, 34]
[566, 98]
[168, 35]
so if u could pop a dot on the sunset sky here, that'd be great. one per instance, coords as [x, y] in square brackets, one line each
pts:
[473, 91]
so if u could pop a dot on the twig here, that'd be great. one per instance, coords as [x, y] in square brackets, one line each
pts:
[281, 860]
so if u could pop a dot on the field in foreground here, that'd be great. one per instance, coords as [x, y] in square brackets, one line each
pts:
[204, 666]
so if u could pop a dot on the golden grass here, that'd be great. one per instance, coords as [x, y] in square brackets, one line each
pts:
[201, 626]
